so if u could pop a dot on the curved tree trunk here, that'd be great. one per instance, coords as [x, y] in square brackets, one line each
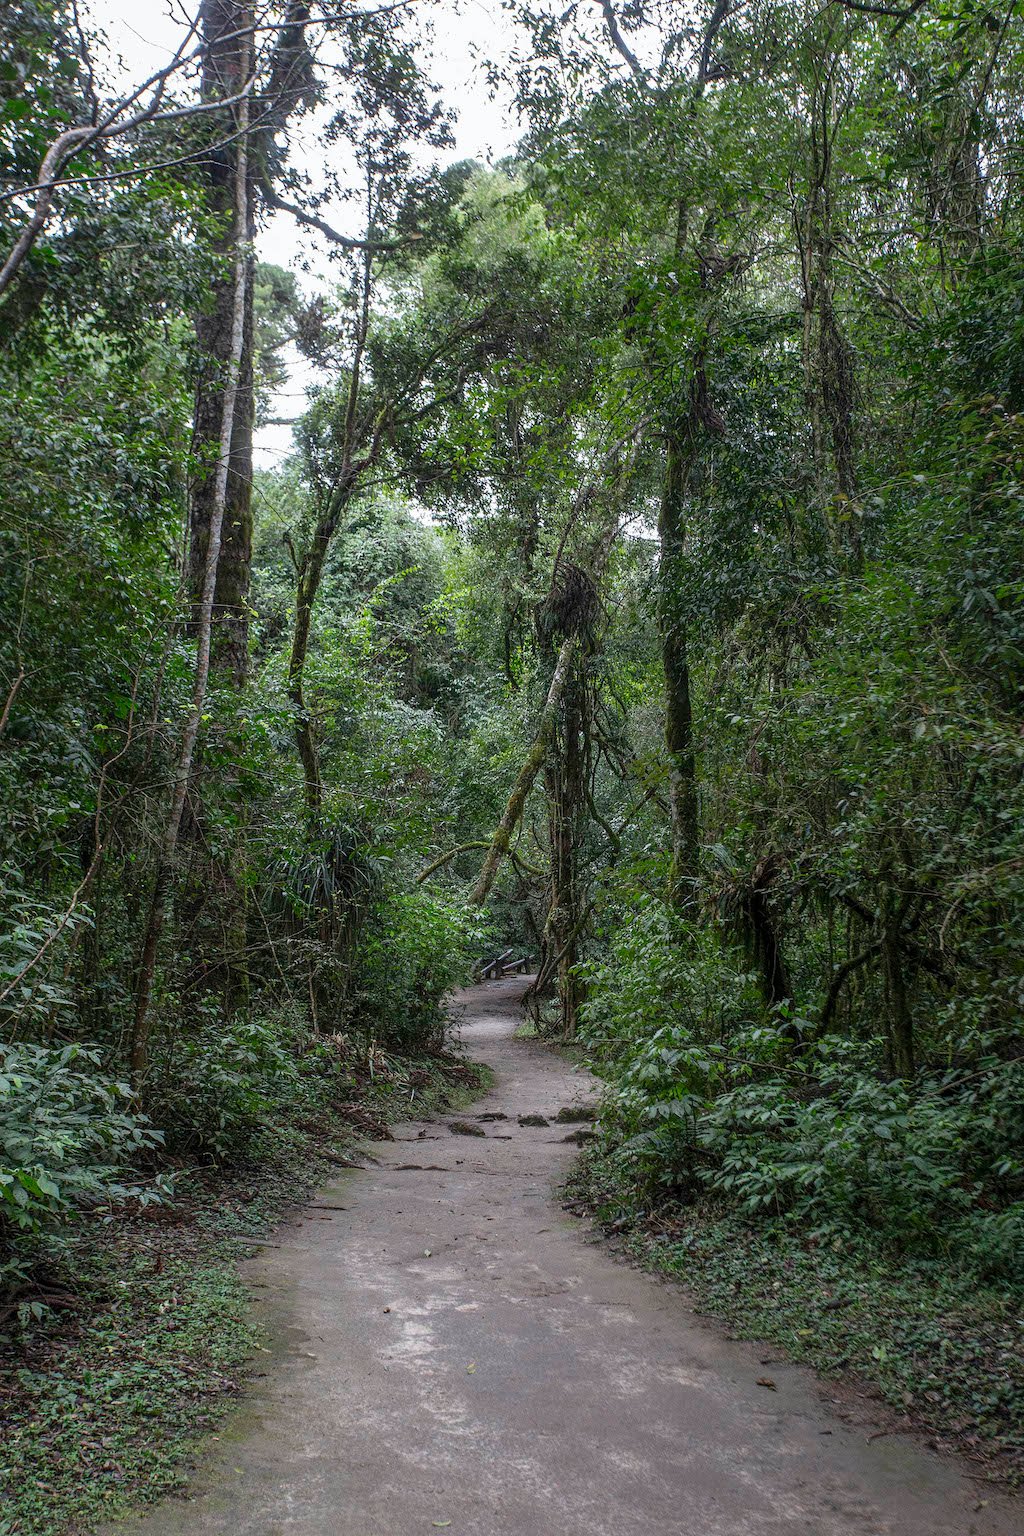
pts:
[308, 585]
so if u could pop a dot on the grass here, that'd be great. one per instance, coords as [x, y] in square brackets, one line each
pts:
[103, 1403]
[946, 1353]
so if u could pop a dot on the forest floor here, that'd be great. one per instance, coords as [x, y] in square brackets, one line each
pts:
[450, 1350]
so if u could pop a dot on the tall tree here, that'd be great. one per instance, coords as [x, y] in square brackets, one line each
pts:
[233, 386]
[227, 68]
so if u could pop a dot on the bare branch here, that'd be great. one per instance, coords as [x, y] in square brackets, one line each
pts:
[500, 842]
[72, 142]
[114, 124]
[618, 41]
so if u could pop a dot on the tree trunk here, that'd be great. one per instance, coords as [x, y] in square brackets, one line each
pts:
[838, 392]
[310, 568]
[901, 1025]
[310, 576]
[217, 908]
[142, 1023]
[570, 988]
[830, 377]
[303, 728]
[680, 456]
[682, 766]
[225, 69]
[564, 785]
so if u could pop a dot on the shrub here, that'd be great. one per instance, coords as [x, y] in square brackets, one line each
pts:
[68, 1141]
[35, 997]
[708, 1090]
[654, 1002]
[218, 1082]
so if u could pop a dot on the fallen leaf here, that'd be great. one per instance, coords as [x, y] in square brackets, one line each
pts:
[470, 1368]
[766, 1381]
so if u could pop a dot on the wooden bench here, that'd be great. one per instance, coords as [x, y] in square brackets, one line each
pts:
[513, 967]
[493, 967]
[502, 965]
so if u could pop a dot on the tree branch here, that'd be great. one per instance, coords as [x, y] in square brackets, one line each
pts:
[618, 41]
[900, 13]
[499, 844]
[839, 979]
[347, 242]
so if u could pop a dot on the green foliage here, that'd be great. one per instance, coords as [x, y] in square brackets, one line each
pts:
[709, 1091]
[107, 1409]
[418, 948]
[69, 1140]
[819, 1036]
[215, 1085]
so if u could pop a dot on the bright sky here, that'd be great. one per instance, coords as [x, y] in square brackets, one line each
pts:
[144, 34]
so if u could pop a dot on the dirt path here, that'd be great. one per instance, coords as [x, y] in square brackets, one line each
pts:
[453, 1355]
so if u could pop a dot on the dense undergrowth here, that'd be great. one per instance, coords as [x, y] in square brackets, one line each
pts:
[75, 1139]
[711, 1094]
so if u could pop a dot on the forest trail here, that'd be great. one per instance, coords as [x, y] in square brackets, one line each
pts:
[452, 1354]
